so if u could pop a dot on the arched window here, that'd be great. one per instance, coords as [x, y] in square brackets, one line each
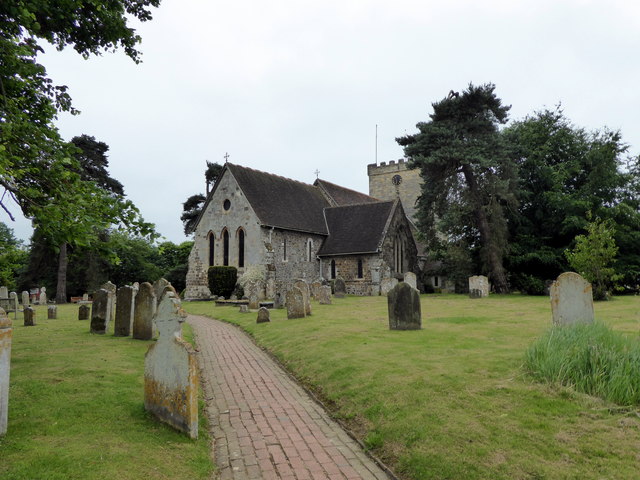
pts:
[309, 249]
[241, 248]
[360, 268]
[225, 247]
[212, 244]
[333, 269]
[398, 254]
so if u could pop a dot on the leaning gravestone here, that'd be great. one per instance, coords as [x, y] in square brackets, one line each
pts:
[100, 312]
[571, 300]
[404, 308]
[481, 283]
[304, 288]
[263, 315]
[52, 312]
[171, 371]
[324, 296]
[25, 298]
[387, 285]
[43, 296]
[29, 317]
[295, 303]
[83, 312]
[411, 280]
[145, 308]
[339, 288]
[124, 311]
[5, 368]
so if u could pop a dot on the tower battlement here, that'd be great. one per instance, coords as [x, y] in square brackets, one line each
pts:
[393, 179]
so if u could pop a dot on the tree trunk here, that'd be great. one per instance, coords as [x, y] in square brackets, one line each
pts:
[63, 261]
[493, 257]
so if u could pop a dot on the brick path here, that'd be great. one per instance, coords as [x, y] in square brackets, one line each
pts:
[264, 425]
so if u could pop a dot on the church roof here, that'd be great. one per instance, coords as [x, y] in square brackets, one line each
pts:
[339, 196]
[281, 202]
[356, 228]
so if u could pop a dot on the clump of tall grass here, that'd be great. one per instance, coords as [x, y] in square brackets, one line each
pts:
[590, 358]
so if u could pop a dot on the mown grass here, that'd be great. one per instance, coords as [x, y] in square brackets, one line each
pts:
[76, 409]
[452, 401]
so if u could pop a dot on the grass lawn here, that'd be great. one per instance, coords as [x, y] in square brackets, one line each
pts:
[451, 401]
[76, 409]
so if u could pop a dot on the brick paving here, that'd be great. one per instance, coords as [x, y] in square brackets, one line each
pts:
[264, 425]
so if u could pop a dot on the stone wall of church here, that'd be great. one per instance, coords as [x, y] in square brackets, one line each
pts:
[382, 187]
[347, 269]
[399, 228]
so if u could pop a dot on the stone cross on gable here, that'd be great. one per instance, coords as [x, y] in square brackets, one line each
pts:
[226, 157]
[317, 172]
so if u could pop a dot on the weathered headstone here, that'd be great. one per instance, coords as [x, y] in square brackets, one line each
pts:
[25, 298]
[124, 311]
[404, 308]
[475, 293]
[29, 316]
[278, 300]
[324, 296]
[387, 284]
[15, 304]
[43, 296]
[85, 297]
[270, 287]
[315, 288]
[4, 292]
[295, 303]
[254, 302]
[339, 288]
[411, 280]
[158, 287]
[83, 312]
[52, 312]
[304, 288]
[571, 300]
[100, 318]
[244, 309]
[145, 308]
[5, 368]
[479, 282]
[168, 288]
[111, 306]
[263, 315]
[171, 371]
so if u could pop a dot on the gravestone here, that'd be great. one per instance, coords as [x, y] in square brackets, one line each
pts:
[278, 301]
[85, 297]
[43, 296]
[304, 288]
[254, 301]
[29, 317]
[571, 300]
[171, 371]
[315, 288]
[479, 282]
[158, 287]
[4, 292]
[475, 293]
[83, 312]
[263, 315]
[5, 367]
[411, 280]
[404, 308]
[25, 298]
[387, 285]
[270, 287]
[244, 309]
[339, 288]
[52, 312]
[15, 304]
[295, 303]
[100, 318]
[168, 288]
[145, 309]
[324, 296]
[111, 306]
[124, 311]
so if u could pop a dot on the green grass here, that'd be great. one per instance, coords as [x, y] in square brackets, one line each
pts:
[452, 401]
[76, 409]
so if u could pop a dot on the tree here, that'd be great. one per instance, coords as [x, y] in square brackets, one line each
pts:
[192, 208]
[593, 257]
[468, 176]
[13, 257]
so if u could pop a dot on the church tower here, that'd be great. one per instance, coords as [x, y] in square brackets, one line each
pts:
[395, 180]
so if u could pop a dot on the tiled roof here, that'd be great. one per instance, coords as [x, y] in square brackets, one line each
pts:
[339, 196]
[356, 228]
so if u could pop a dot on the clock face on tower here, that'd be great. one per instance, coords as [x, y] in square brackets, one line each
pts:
[396, 180]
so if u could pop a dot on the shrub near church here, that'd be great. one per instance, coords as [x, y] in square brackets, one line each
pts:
[222, 280]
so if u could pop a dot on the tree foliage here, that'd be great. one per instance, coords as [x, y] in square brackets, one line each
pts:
[13, 257]
[192, 208]
[468, 175]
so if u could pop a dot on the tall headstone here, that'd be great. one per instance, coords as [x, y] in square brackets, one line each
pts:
[100, 317]
[404, 308]
[5, 368]
[145, 309]
[263, 315]
[411, 280]
[278, 301]
[124, 311]
[158, 287]
[481, 283]
[339, 288]
[43, 296]
[111, 307]
[270, 286]
[4, 292]
[387, 284]
[14, 304]
[52, 312]
[304, 288]
[324, 296]
[571, 300]
[315, 288]
[295, 303]
[29, 317]
[25, 298]
[83, 312]
[170, 370]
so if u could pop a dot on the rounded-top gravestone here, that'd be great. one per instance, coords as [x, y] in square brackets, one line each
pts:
[263, 315]
[339, 288]
[295, 303]
[404, 308]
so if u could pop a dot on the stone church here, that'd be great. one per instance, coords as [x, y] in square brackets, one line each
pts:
[299, 230]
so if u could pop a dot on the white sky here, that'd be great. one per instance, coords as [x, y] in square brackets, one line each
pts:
[289, 87]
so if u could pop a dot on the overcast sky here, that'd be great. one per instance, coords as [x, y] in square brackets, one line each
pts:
[289, 87]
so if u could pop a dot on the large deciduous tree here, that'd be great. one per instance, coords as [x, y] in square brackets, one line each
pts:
[468, 175]
[192, 208]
